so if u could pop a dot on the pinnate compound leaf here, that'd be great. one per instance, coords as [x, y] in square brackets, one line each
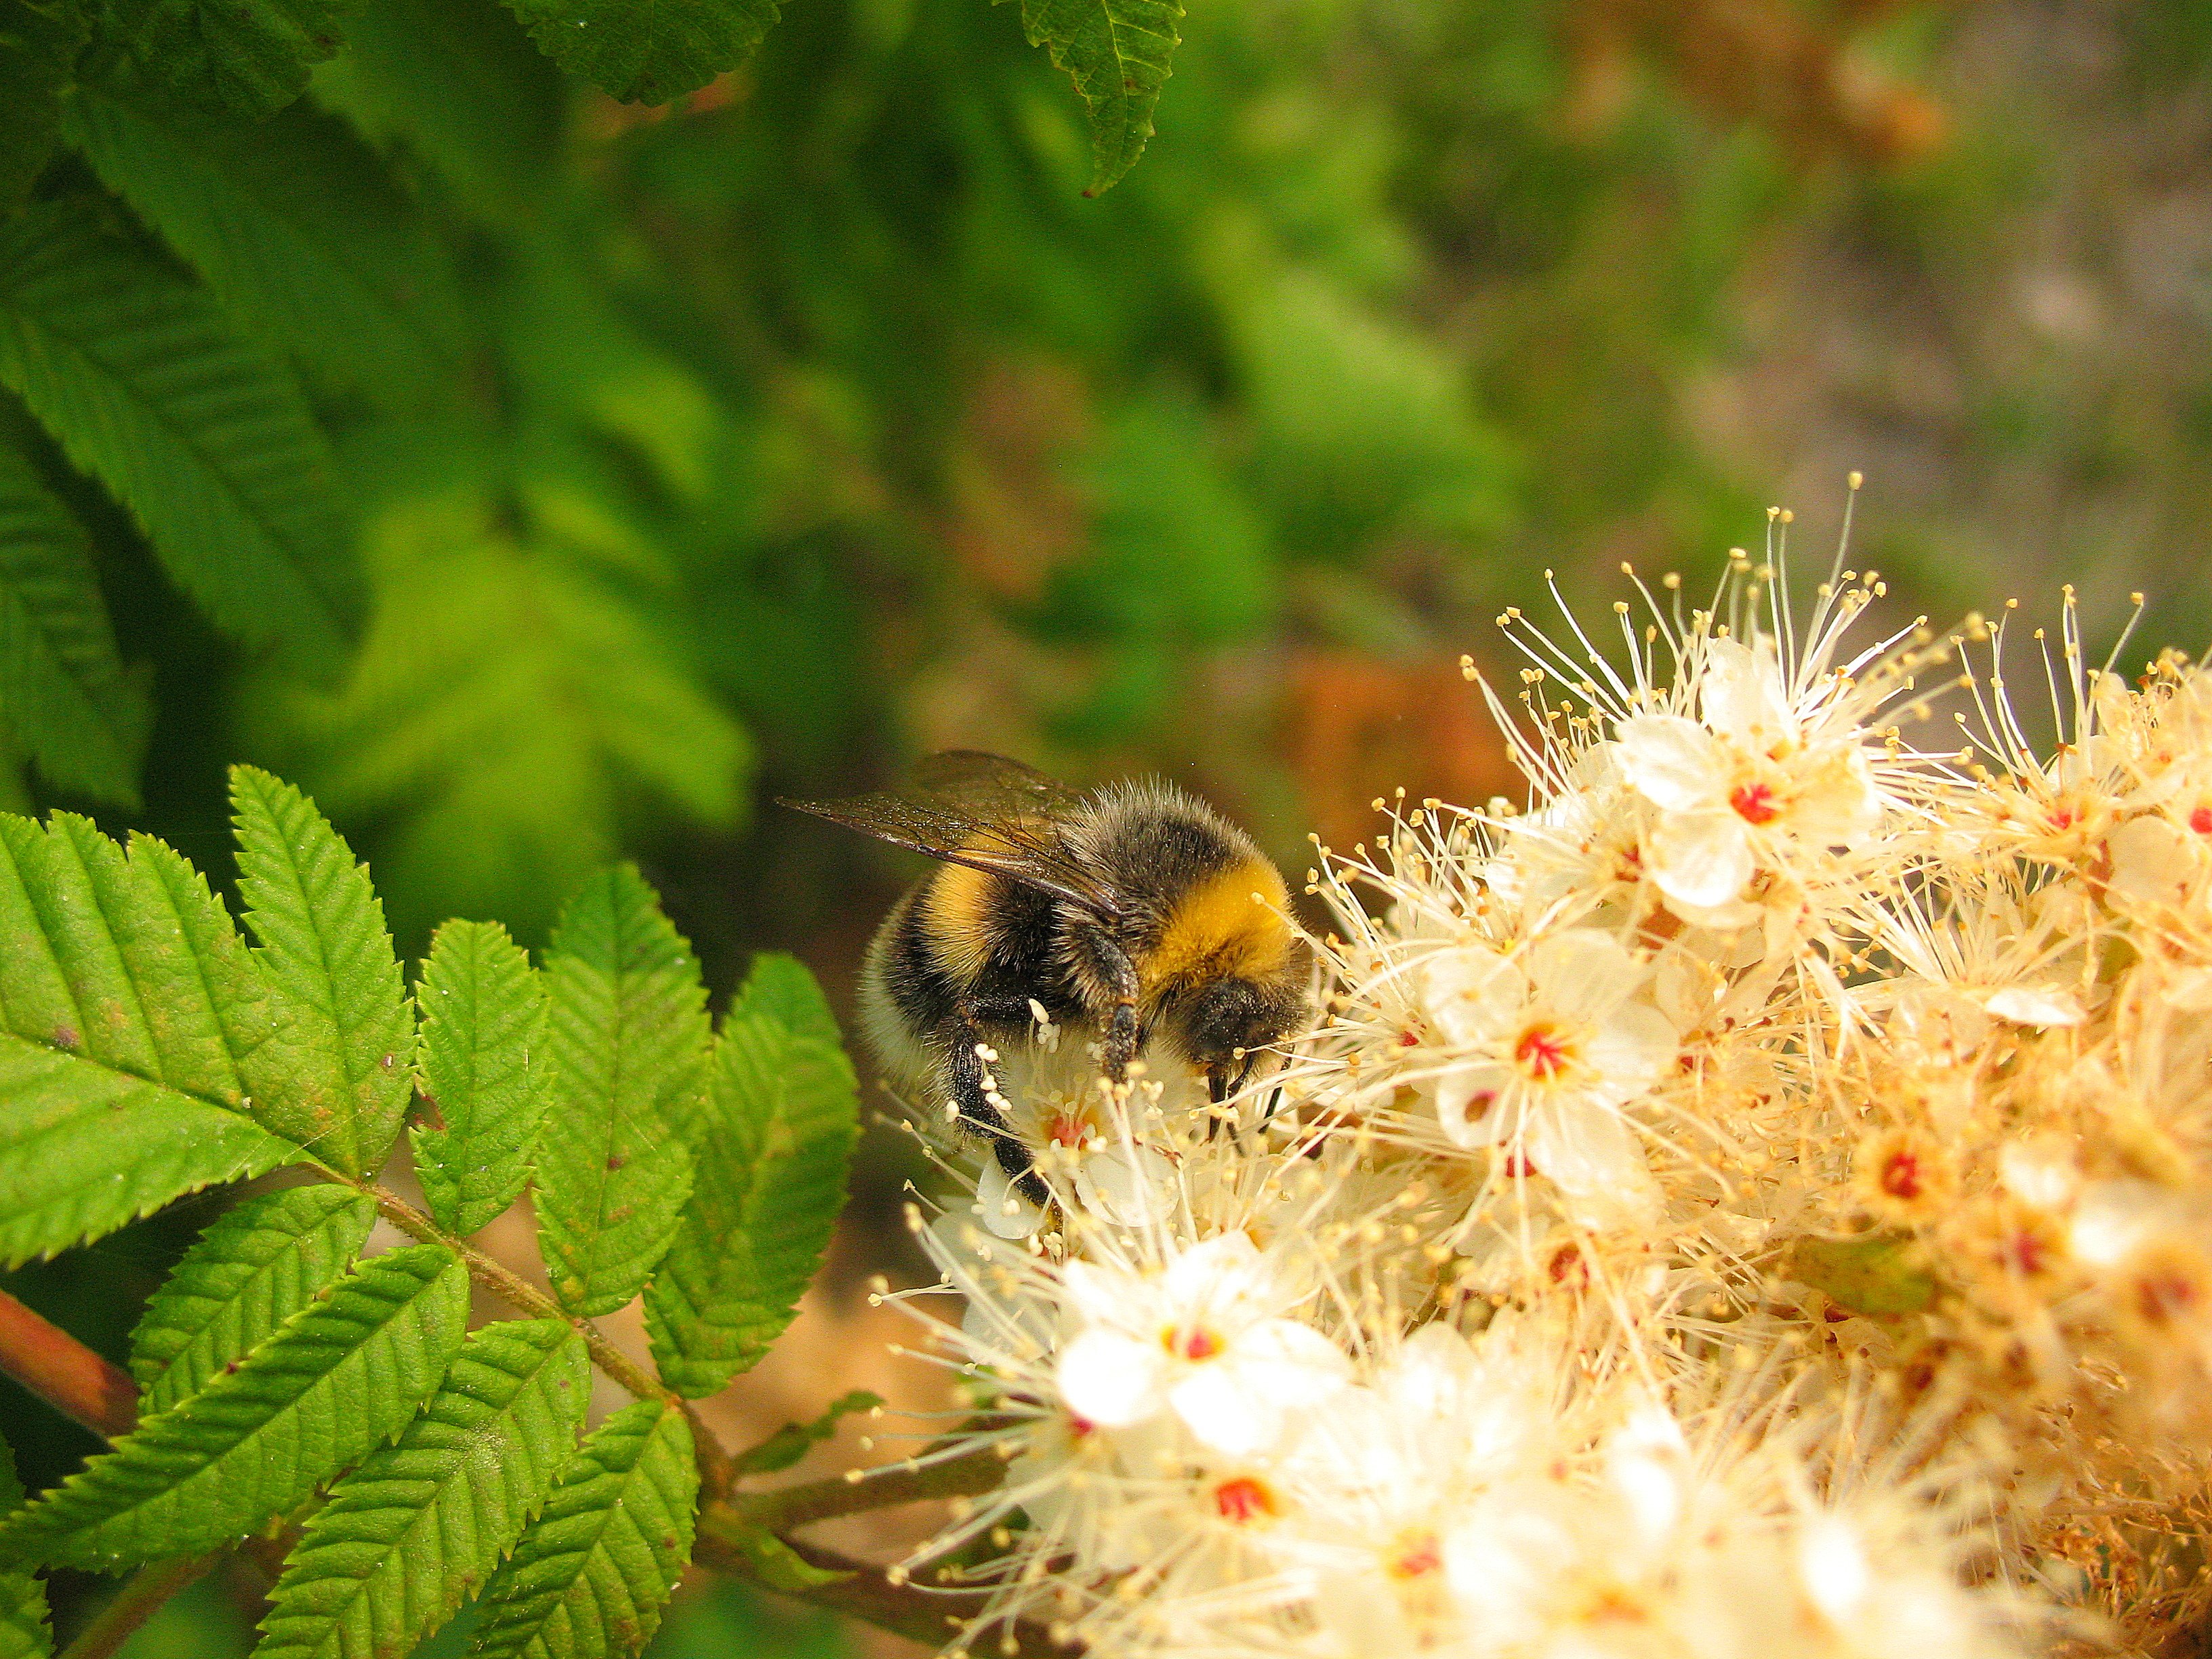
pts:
[24, 1632]
[772, 1142]
[408, 1536]
[297, 229]
[628, 1043]
[61, 688]
[322, 937]
[482, 1062]
[137, 1031]
[328, 1388]
[1117, 53]
[207, 442]
[647, 51]
[242, 57]
[589, 1578]
[251, 1270]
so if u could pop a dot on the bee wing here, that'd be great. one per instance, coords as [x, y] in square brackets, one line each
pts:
[981, 810]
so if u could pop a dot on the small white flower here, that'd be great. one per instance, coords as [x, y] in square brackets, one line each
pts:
[1204, 1338]
[1734, 791]
[1545, 1047]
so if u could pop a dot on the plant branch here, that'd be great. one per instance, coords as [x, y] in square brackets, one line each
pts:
[715, 1469]
[135, 1603]
[868, 1592]
[65, 1373]
[784, 1509]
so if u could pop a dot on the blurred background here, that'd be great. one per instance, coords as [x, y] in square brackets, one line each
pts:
[754, 445]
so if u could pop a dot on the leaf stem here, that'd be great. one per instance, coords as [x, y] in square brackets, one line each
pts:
[715, 1469]
[868, 1592]
[65, 1373]
[141, 1593]
[782, 1509]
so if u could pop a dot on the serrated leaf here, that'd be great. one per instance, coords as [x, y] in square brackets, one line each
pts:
[772, 1142]
[795, 1440]
[647, 51]
[482, 1061]
[1117, 53]
[24, 1632]
[62, 686]
[39, 44]
[628, 1042]
[407, 1536]
[139, 1031]
[298, 229]
[253, 1268]
[244, 57]
[340, 1379]
[85, 1150]
[207, 442]
[321, 932]
[589, 1576]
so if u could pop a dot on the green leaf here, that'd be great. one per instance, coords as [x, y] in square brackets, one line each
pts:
[408, 1536]
[504, 732]
[62, 685]
[1117, 54]
[483, 1064]
[39, 43]
[774, 1563]
[337, 1381]
[24, 1632]
[257, 1266]
[322, 937]
[589, 1578]
[245, 58]
[795, 1440]
[298, 230]
[139, 1031]
[772, 1142]
[85, 1150]
[457, 84]
[629, 1047]
[207, 442]
[647, 51]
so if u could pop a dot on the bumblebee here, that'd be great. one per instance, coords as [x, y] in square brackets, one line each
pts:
[1133, 915]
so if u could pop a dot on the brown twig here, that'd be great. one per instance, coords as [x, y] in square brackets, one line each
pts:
[139, 1599]
[65, 1373]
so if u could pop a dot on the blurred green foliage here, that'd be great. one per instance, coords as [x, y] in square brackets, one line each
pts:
[536, 478]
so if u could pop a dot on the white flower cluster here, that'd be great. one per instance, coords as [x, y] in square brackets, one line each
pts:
[1755, 1201]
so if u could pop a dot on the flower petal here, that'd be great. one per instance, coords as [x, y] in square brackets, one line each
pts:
[1112, 1379]
[1582, 974]
[1701, 858]
[1675, 762]
[1740, 694]
[1470, 1100]
[1223, 1414]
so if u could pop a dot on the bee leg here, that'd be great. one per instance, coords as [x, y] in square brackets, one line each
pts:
[1103, 954]
[982, 1118]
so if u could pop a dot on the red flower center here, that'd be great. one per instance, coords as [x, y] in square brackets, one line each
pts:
[1193, 1342]
[1244, 1500]
[1754, 803]
[1542, 1052]
[1070, 1130]
[1901, 1175]
[2200, 820]
[1418, 1555]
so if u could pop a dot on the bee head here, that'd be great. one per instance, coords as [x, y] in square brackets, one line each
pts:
[1223, 1025]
